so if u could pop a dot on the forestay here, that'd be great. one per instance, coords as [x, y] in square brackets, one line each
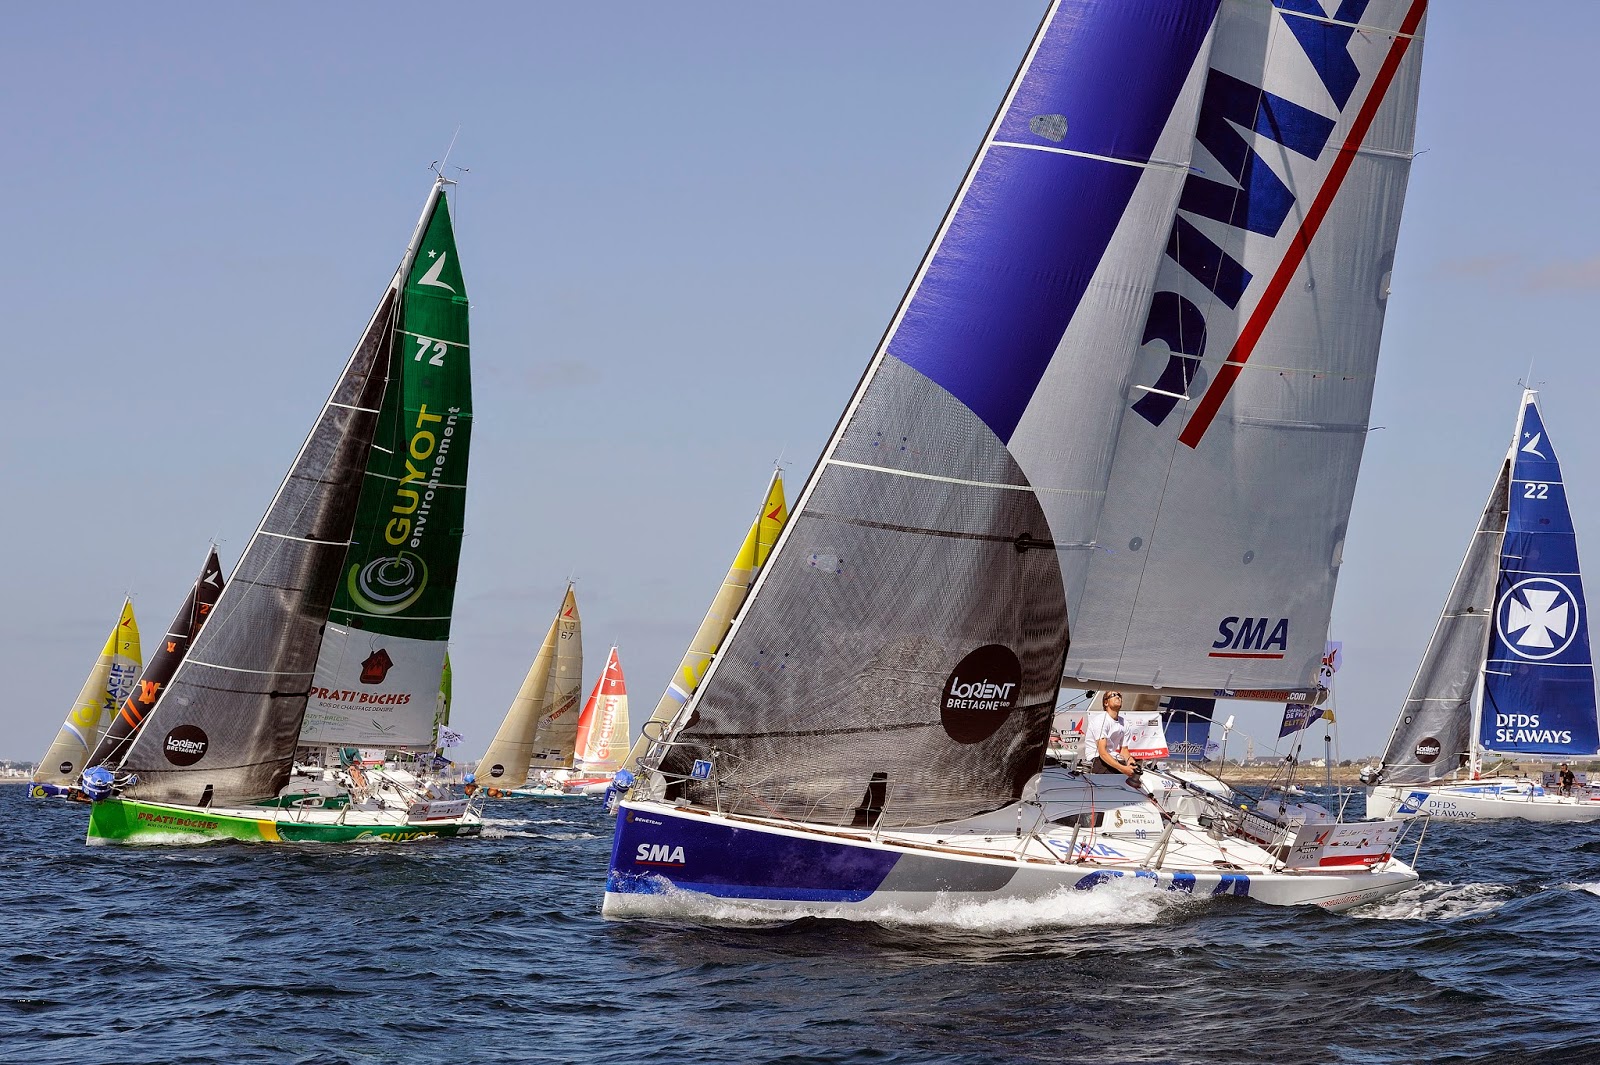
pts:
[378, 674]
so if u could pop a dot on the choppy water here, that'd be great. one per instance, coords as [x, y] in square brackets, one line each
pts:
[493, 950]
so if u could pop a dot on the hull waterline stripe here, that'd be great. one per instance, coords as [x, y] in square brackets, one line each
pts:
[1245, 345]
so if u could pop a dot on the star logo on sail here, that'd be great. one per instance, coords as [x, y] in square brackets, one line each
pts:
[1538, 618]
[432, 276]
[1532, 446]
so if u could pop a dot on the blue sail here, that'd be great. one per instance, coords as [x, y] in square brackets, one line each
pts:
[1538, 691]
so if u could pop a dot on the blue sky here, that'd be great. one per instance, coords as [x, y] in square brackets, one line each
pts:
[683, 230]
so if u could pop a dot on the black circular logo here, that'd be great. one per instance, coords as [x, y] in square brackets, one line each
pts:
[65, 767]
[185, 745]
[1427, 750]
[497, 770]
[982, 690]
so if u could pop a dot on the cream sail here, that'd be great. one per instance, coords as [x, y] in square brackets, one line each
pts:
[539, 732]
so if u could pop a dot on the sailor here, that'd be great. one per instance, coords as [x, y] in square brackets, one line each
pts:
[1108, 739]
[1565, 776]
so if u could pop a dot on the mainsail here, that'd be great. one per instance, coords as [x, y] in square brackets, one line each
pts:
[108, 683]
[143, 696]
[714, 628]
[602, 740]
[1211, 186]
[225, 730]
[378, 674]
[540, 729]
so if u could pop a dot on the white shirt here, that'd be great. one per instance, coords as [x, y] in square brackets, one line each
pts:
[1102, 726]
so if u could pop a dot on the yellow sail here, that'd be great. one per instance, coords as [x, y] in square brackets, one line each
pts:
[714, 629]
[541, 727]
[107, 685]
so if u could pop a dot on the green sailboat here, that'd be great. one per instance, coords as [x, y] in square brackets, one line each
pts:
[347, 547]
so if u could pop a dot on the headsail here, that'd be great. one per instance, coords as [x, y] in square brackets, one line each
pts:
[540, 729]
[714, 628]
[1538, 680]
[907, 638]
[142, 697]
[603, 726]
[383, 653]
[108, 683]
[1235, 463]
[226, 728]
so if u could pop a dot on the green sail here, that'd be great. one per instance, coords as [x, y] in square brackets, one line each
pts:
[378, 676]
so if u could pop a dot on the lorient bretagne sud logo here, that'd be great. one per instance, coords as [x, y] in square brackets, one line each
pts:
[389, 584]
[979, 694]
[185, 745]
[1537, 618]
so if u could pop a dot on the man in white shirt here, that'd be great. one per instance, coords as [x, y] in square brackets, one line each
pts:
[1108, 739]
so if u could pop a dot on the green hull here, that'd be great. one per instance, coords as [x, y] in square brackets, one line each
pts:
[119, 820]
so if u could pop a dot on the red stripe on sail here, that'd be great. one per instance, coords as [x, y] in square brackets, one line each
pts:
[1244, 347]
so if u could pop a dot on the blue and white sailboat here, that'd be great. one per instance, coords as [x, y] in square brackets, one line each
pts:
[1509, 670]
[1109, 440]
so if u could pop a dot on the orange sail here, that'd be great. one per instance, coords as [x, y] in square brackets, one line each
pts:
[603, 725]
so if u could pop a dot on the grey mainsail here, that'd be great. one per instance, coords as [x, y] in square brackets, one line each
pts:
[1433, 735]
[226, 727]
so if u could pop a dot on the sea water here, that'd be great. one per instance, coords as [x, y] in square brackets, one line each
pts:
[494, 950]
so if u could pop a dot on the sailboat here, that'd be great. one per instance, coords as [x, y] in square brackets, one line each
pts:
[108, 683]
[1109, 440]
[539, 733]
[714, 627]
[1508, 670]
[214, 758]
[146, 692]
[602, 741]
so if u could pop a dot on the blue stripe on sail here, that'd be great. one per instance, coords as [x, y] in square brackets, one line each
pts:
[1026, 238]
[1539, 695]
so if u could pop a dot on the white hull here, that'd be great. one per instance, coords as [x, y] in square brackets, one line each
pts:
[676, 858]
[1483, 800]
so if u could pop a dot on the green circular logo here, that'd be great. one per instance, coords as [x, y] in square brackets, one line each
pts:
[389, 584]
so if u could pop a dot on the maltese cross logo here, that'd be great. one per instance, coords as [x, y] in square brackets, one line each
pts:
[1538, 618]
